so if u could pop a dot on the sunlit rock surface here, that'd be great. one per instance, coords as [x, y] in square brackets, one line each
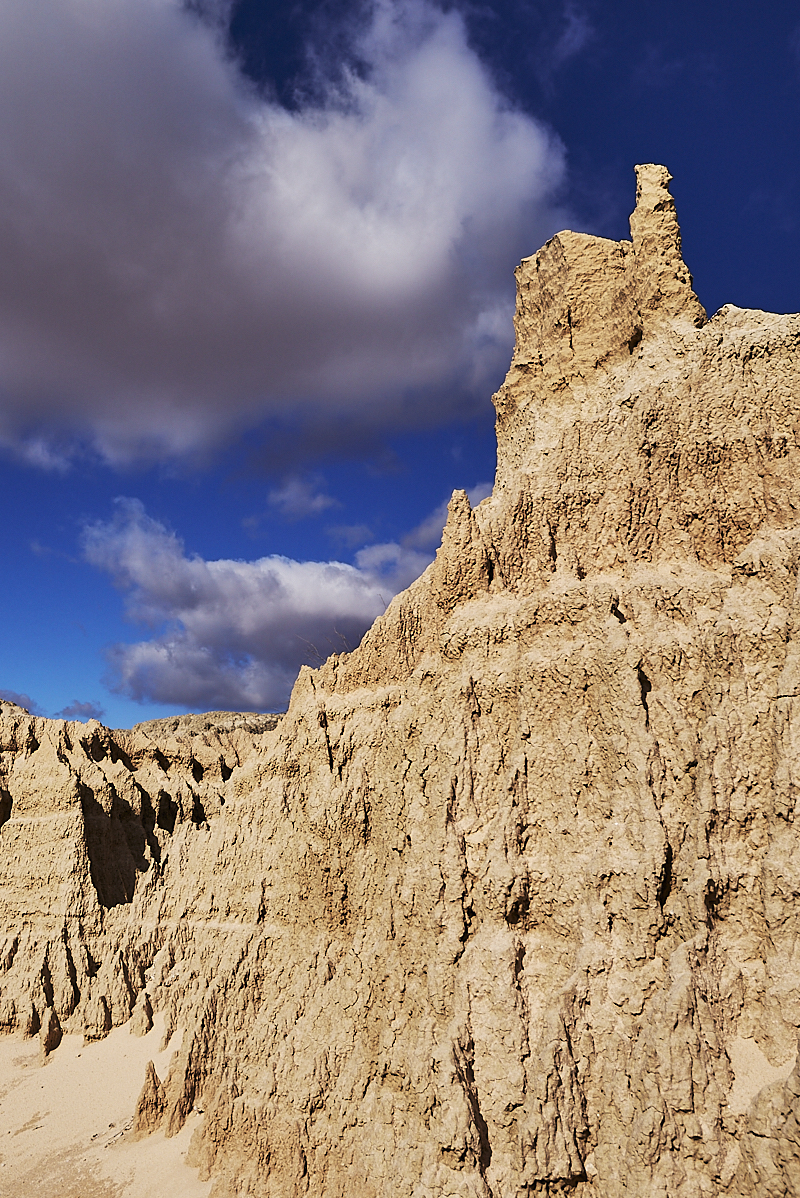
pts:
[506, 903]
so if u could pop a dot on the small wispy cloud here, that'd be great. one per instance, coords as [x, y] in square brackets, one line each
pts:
[21, 700]
[657, 68]
[39, 550]
[350, 535]
[576, 34]
[794, 43]
[76, 710]
[428, 533]
[298, 498]
[567, 39]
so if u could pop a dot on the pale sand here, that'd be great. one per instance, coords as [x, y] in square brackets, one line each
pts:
[63, 1124]
[752, 1071]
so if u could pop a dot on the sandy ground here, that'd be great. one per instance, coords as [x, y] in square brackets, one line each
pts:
[63, 1124]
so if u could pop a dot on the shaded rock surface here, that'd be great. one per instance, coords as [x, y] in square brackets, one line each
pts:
[487, 911]
[150, 1105]
[49, 1033]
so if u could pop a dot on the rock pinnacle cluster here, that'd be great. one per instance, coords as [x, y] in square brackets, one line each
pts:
[506, 903]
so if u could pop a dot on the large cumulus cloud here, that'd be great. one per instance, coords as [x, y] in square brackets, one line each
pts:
[183, 258]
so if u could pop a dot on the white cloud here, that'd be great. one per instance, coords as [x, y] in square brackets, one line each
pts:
[227, 634]
[183, 259]
[392, 566]
[233, 634]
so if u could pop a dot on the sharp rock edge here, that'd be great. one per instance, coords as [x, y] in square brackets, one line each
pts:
[488, 911]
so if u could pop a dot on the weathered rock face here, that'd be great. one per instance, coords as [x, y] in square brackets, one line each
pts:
[506, 903]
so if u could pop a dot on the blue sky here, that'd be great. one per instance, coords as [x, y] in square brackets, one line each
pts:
[257, 293]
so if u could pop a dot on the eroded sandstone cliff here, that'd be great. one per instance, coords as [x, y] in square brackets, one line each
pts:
[506, 903]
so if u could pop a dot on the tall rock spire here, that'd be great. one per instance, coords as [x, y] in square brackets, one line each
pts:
[663, 283]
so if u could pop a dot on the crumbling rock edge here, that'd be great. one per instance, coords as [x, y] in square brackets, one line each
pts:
[502, 902]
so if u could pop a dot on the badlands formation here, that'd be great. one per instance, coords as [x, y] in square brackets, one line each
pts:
[507, 902]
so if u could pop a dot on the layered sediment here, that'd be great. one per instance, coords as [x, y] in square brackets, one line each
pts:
[506, 903]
